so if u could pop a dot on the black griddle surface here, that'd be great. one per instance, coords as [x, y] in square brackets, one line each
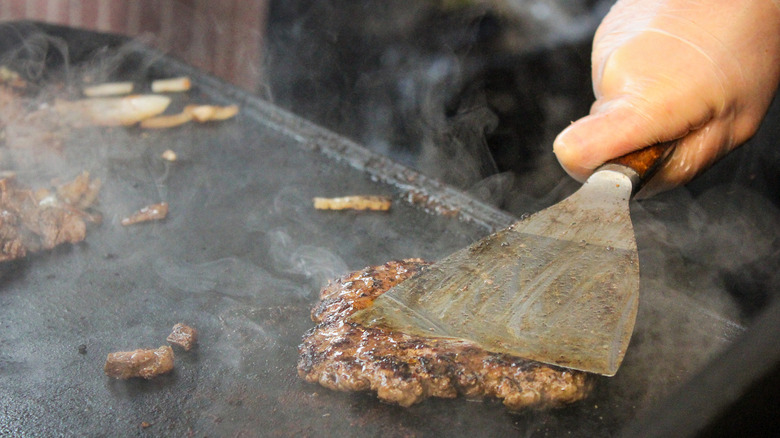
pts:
[242, 257]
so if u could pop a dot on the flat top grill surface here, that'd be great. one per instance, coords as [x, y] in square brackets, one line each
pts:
[242, 257]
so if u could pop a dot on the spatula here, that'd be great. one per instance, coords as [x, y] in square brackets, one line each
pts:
[560, 286]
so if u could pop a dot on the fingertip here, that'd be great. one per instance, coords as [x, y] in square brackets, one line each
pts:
[615, 128]
[567, 149]
[583, 146]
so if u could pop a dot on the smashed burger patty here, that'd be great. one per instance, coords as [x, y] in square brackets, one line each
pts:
[406, 369]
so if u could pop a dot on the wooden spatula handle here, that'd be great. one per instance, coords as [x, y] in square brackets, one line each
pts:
[645, 162]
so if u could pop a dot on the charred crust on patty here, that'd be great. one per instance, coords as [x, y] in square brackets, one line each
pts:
[405, 369]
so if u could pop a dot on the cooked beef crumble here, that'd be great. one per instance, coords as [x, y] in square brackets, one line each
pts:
[139, 363]
[184, 336]
[32, 221]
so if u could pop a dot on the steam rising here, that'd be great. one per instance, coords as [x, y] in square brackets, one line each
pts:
[316, 264]
[428, 99]
[430, 106]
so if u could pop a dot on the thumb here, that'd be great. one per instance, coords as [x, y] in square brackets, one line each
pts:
[619, 126]
[614, 128]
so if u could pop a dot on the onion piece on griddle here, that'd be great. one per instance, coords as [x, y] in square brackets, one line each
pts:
[171, 85]
[113, 111]
[209, 113]
[109, 89]
[166, 121]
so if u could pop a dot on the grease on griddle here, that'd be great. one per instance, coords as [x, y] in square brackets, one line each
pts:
[431, 203]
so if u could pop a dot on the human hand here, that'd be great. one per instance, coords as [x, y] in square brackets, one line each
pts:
[703, 72]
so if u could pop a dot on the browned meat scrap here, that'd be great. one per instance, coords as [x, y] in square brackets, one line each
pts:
[26, 124]
[184, 336]
[139, 363]
[154, 212]
[406, 369]
[356, 202]
[32, 221]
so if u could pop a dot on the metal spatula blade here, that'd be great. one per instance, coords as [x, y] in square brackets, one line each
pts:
[560, 287]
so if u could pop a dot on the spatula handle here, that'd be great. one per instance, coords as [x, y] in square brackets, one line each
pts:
[645, 162]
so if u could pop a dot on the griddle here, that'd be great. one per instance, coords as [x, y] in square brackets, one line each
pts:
[242, 257]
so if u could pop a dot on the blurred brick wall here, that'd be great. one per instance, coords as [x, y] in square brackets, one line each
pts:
[223, 37]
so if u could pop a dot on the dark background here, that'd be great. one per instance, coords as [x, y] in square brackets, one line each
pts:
[474, 96]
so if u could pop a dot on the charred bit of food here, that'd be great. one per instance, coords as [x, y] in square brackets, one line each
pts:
[405, 369]
[139, 363]
[184, 336]
[32, 221]
[357, 202]
[152, 212]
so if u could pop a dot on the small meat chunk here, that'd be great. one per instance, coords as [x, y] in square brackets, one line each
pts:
[184, 336]
[81, 193]
[32, 221]
[404, 369]
[139, 363]
[152, 212]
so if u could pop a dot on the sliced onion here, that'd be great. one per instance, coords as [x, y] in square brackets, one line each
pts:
[109, 89]
[172, 85]
[114, 111]
[356, 202]
[167, 121]
[207, 113]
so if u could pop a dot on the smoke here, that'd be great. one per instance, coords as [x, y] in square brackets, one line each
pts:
[440, 91]
[474, 96]
[286, 228]
[316, 264]
[459, 91]
[229, 276]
